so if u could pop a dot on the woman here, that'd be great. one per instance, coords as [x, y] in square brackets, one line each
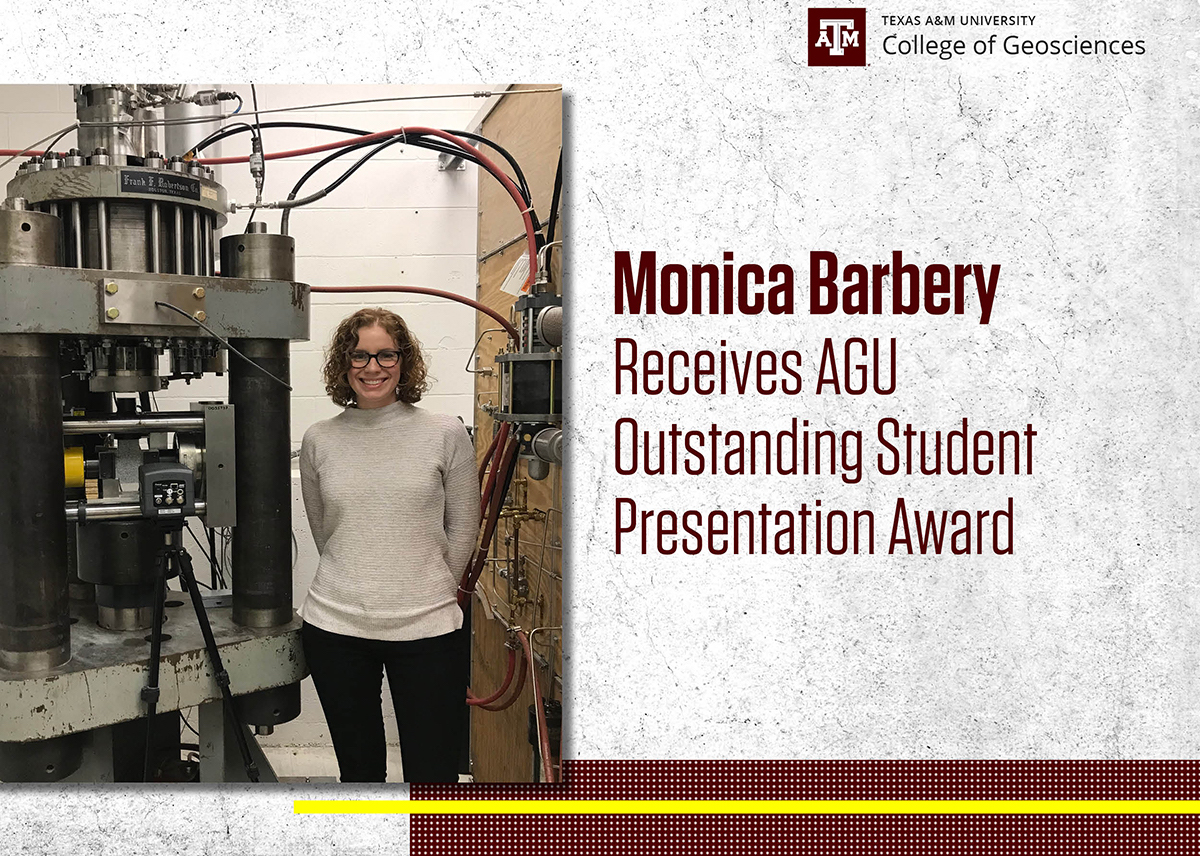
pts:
[392, 497]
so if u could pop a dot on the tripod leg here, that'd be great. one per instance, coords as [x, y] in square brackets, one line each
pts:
[210, 644]
[212, 555]
[150, 692]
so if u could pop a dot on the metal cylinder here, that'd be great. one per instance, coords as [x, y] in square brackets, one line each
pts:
[120, 559]
[102, 236]
[262, 539]
[35, 625]
[259, 256]
[29, 238]
[137, 425]
[125, 608]
[547, 445]
[197, 268]
[42, 760]
[116, 236]
[102, 103]
[177, 242]
[145, 138]
[76, 236]
[119, 553]
[155, 238]
[206, 250]
[549, 325]
[93, 512]
[180, 137]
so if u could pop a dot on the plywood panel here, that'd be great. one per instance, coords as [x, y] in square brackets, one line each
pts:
[530, 127]
[500, 748]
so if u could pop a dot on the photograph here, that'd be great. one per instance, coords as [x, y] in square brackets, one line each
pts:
[282, 370]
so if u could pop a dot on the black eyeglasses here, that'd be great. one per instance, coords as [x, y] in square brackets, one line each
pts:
[386, 359]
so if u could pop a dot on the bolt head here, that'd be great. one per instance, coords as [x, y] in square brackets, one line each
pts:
[198, 293]
[111, 288]
[201, 315]
[113, 313]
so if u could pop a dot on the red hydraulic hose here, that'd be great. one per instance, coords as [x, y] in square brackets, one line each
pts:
[475, 567]
[417, 289]
[487, 457]
[324, 147]
[512, 668]
[488, 164]
[505, 704]
[485, 498]
[542, 729]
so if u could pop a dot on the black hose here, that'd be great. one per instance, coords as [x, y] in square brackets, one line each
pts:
[554, 200]
[242, 127]
[283, 223]
[521, 183]
[419, 141]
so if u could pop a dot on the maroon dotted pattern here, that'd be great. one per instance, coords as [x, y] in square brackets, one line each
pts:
[784, 835]
[799, 835]
[849, 780]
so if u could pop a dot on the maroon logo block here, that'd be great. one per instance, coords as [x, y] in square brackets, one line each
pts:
[837, 36]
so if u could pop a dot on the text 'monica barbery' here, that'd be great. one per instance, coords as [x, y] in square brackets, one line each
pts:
[895, 288]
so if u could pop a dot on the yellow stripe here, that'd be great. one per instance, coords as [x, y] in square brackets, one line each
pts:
[665, 807]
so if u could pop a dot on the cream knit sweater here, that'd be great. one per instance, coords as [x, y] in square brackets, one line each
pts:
[392, 497]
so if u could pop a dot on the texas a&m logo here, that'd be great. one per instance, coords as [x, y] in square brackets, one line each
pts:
[837, 36]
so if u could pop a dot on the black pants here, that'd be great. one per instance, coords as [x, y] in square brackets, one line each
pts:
[429, 686]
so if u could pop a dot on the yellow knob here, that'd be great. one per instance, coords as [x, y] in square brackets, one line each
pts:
[73, 466]
[113, 313]
[111, 288]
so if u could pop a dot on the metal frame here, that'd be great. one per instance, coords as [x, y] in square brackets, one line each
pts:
[72, 301]
[102, 683]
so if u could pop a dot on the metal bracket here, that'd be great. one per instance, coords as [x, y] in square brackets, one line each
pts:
[447, 162]
[220, 483]
[473, 359]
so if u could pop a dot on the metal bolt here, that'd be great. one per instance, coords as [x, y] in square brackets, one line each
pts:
[198, 293]
[111, 288]
[201, 315]
[113, 313]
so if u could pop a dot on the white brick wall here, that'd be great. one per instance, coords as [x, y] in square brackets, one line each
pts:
[397, 221]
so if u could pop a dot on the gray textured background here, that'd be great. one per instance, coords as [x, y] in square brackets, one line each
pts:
[699, 130]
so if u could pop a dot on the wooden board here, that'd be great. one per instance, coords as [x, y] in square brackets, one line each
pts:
[530, 128]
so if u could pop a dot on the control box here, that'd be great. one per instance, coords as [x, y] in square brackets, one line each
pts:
[168, 490]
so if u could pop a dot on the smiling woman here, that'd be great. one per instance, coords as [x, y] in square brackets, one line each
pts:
[393, 502]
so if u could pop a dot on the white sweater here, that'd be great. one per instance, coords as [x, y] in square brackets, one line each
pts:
[392, 497]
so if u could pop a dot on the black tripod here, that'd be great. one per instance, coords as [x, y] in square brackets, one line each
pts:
[173, 555]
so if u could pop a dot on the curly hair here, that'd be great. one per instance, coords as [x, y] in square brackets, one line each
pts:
[413, 381]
